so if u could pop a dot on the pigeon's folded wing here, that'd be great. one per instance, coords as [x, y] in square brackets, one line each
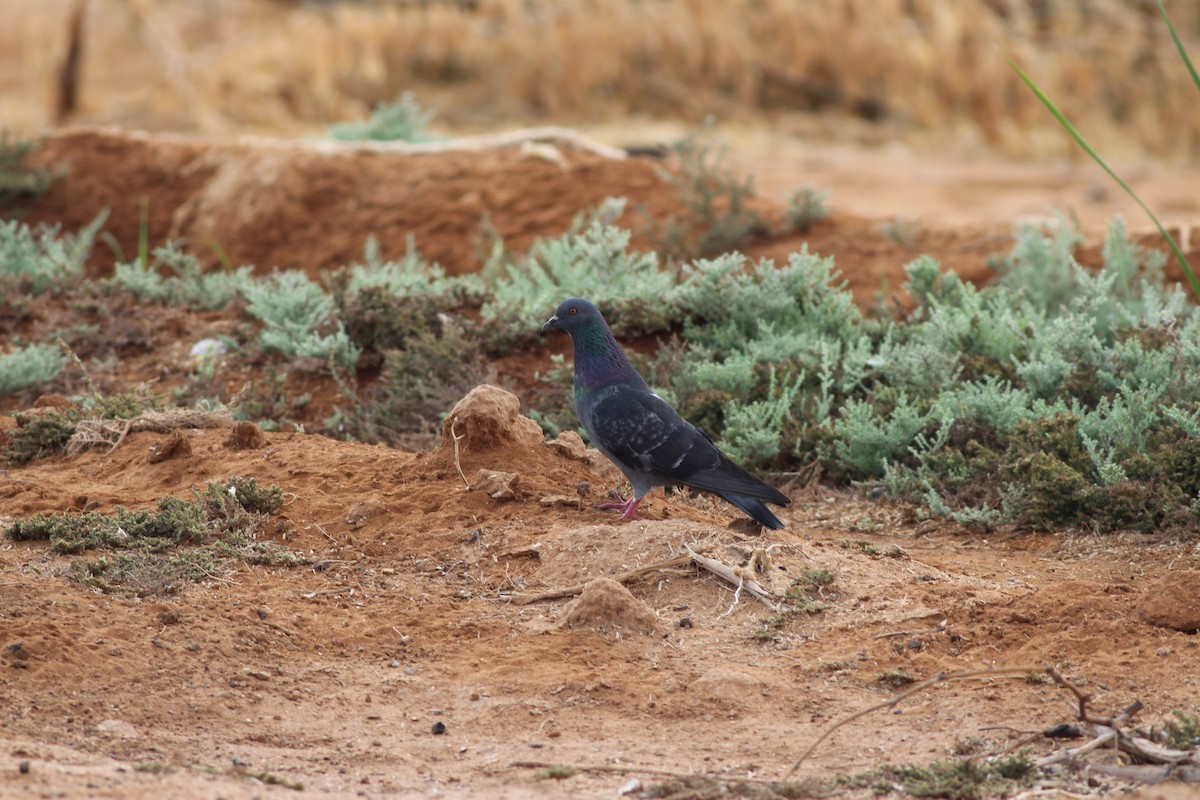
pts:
[642, 431]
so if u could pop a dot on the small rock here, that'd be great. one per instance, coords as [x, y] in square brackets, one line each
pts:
[23, 767]
[571, 445]
[360, 513]
[629, 787]
[17, 651]
[169, 616]
[258, 675]
[209, 348]
[119, 728]
[559, 500]
[438, 728]
[52, 401]
[497, 485]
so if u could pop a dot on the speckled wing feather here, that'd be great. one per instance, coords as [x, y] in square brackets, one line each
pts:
[645, 434]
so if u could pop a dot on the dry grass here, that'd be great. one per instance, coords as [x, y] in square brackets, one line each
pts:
[927, 66]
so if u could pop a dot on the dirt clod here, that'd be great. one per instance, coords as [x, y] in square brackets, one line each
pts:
[497, 485]
[1173, 601]
[486, 418]
[608, 607]
[176, 445]
[245, 435]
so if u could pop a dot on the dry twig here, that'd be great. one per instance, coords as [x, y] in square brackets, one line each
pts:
[942, 677]
[457, 463]
[722, 570]
[111, 432]
[623, 578]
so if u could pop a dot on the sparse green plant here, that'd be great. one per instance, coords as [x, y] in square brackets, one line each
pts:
[37, 435]
[716, 217]
[189, 286]
[590, 261]
[21, 185]
[161, 551]
[1087, 148]
[817, 577]
[402, 121]
[556, 772]
[957, 779]
[895, 678]
[901, 230]
[29, 366]
[299, 321]
[419, 381]
[861, 547]
[270, 400]
[806, 207]
[41, 259]
[1181, 732]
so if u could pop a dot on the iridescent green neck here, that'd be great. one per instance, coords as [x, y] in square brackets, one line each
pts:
[599, 360]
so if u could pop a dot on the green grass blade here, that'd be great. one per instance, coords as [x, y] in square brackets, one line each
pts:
[144, 235]
[1087, 148]
[1178, 44]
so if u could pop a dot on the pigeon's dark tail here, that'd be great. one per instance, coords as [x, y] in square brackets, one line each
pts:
[755, 508]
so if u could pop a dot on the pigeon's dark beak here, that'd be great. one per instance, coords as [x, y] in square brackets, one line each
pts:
[551, 324]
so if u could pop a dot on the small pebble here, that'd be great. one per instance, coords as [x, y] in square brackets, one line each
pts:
[23, 768]
[438, 728]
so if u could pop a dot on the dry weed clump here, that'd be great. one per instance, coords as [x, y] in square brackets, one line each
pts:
[926, 65]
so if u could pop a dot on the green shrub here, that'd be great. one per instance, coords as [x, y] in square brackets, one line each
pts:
[298, 320]
[21, 186]
[591, 261]
[716, 216]
[403, 121]
[161, 551]
[39, 260]
[806, 207]
[189, 286]
[29, 366]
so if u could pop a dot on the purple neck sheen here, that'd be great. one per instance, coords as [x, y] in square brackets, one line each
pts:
[599, 360]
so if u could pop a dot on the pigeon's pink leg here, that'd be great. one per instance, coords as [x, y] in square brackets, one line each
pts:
[628, 508]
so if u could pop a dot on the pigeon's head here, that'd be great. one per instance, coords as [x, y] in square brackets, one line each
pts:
[573, 315]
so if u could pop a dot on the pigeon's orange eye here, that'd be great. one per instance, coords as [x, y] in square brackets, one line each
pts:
[572, 311]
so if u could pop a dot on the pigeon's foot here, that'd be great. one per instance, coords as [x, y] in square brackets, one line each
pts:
[628, 508]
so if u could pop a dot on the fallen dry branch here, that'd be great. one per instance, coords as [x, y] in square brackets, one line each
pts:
[725, 572]
[940, 678]
[521, 137]
[111, 432]
[1156, 762]
[716, 567]
[623, 578]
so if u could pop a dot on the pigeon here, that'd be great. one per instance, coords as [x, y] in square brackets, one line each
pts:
[639, 431]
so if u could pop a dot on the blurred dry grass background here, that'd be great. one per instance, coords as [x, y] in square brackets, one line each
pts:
[927, 72]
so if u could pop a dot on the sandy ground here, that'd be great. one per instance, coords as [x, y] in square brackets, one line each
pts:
[419, 607]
